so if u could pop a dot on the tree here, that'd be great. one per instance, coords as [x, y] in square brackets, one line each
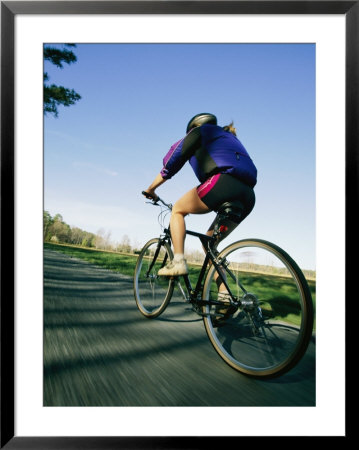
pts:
[99, 241]
[88, 239]
[47, 222]
[103, 239]
[125, 244]
[77, 235]
[60, 229]
[58, 95]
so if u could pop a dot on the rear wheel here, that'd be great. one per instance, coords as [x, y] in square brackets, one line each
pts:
[269, 331]
[152, 293]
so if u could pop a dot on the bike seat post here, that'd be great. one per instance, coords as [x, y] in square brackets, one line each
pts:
[219, 227]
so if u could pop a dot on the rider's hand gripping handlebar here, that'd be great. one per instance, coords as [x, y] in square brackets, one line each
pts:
[156, 199]
[150, 196]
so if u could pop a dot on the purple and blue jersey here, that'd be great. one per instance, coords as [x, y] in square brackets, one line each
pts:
[210, 150]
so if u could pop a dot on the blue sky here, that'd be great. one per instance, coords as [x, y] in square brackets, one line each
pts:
[136, 101]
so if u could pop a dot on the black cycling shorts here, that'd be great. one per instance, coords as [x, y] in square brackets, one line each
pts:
[221, 188]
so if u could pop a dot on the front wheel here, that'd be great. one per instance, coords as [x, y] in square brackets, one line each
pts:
[152, 293]
[269, 331]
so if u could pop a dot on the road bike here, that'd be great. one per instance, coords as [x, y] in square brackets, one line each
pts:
[265, 324]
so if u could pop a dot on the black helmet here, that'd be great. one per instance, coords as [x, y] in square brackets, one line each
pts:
[201, 119]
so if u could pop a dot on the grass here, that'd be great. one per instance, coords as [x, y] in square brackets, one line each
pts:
[278, 291]
[117, 262]
[278, 295]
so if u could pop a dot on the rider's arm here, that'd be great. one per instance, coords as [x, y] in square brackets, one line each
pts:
[154, 185]
[180, 153]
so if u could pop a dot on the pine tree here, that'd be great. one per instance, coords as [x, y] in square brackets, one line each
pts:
[58, 95]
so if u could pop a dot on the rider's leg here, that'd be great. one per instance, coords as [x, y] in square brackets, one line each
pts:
[190, 203]
[225, 311]
[230, 227]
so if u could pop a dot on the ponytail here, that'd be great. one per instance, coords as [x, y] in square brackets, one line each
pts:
[230, 128]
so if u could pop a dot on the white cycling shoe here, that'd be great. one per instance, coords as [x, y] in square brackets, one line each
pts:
[225, 298]
[174, 268]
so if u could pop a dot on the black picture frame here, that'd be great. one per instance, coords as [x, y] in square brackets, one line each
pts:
[9, 9]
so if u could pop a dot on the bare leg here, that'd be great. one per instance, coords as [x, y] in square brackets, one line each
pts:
[231, 226]
[190, 203]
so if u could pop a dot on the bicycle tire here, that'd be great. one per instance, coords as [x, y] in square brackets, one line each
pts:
[268, 341]
[152, 293]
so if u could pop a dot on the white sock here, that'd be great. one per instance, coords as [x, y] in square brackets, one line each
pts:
[178, 257]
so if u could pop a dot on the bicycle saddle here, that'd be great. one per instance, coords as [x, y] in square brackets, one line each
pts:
[232, 209]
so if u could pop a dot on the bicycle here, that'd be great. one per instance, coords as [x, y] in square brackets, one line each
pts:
[265, 326]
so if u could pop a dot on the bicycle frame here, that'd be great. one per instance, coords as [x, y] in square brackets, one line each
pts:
[208, 243]
[258, 342]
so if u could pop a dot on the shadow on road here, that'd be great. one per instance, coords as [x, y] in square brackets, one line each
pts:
[100, 351]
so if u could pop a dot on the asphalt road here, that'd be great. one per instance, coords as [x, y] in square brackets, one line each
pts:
[100, 351]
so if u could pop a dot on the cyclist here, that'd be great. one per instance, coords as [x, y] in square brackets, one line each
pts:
[226, 173]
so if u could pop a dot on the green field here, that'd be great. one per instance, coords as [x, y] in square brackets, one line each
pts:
[118, 262]
[277, 290]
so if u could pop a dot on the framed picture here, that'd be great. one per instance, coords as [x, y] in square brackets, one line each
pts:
[319, 41]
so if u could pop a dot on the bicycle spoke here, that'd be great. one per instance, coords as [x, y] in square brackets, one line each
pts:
[269, 331]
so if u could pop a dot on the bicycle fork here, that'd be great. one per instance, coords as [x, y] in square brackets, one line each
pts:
[155, 256]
